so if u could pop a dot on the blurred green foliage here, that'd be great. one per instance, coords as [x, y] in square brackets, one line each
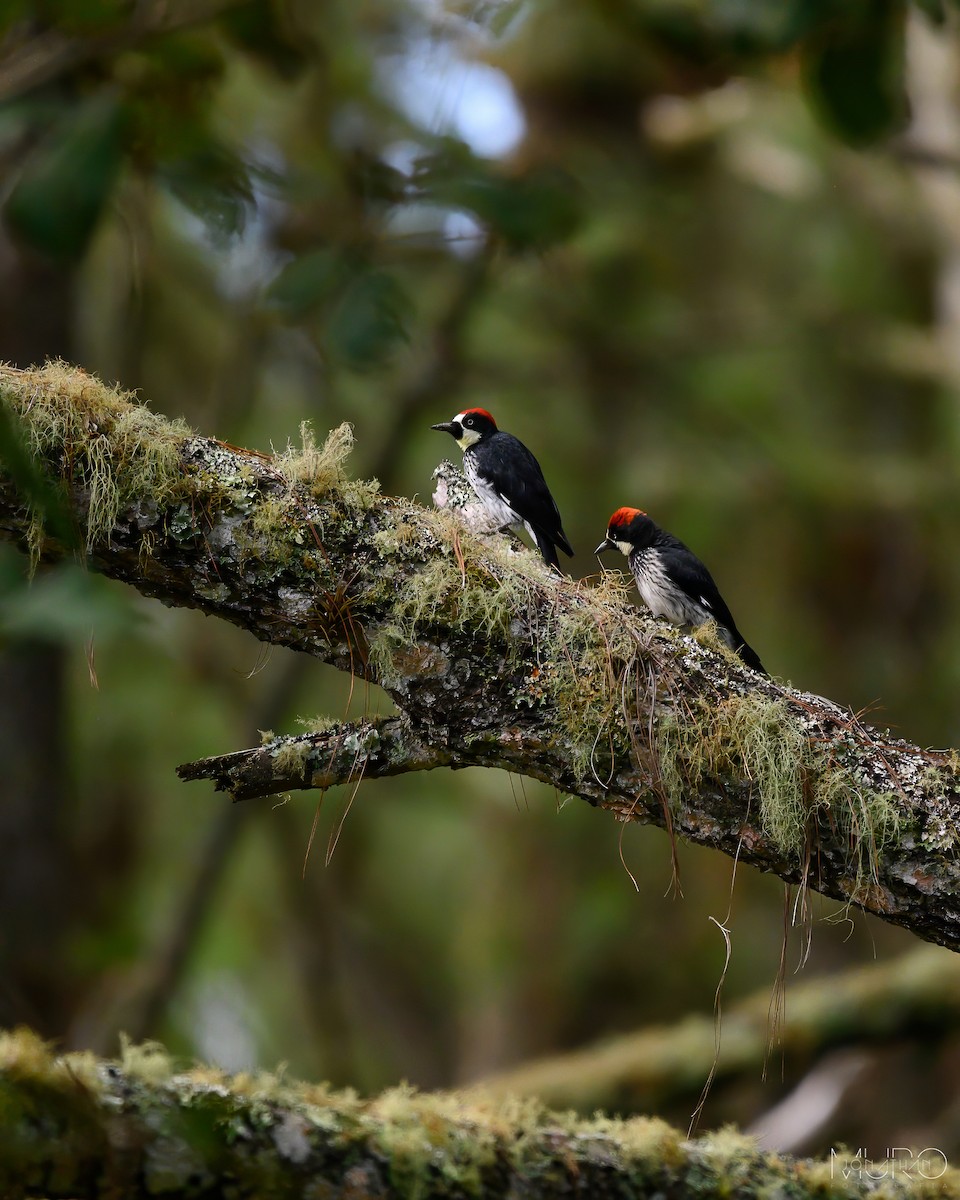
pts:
[708, 278]
[854, 71]
[58, 196]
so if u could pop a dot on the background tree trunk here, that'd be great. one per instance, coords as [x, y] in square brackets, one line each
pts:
[38, 886]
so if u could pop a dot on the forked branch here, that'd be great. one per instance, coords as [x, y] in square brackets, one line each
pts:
[491, 658]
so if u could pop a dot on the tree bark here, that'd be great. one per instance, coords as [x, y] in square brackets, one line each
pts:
[78, 1127]
[491, 658]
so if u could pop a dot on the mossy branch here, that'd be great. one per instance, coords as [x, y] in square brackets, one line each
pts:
[342, 753]
[492, 659]
[76, 1126]
[917, 996]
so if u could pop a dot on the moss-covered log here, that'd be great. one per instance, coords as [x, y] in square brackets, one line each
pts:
[916, 997]
[81, 1127]
[491, 658]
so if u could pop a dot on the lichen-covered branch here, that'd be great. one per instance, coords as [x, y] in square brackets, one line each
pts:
[918, 996]
[491, 658]
[78, 1127]
[340, 754]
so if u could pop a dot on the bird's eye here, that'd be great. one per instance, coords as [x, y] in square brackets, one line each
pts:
[468, 421]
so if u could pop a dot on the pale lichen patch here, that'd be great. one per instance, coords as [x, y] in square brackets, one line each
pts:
[941, 829]
[290, 1136]
[291, 755]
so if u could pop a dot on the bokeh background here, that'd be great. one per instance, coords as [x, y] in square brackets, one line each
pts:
[704, 258]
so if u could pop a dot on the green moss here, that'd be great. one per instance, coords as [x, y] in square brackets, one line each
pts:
[648, 1138]
[425, 1137]
[587, 679]
[866, 821]
[25, 1055]
[146, 1061]
[400, 538]
[453, 592]
[320, 470]
[291, 756]
[441, 587]
[941, 830]
[104, 442]
[487, 588]
[761, 735]
[708, 635]
[318, 724]
[751, 735]
[794, 781]
[277, 530]
[202, 1129]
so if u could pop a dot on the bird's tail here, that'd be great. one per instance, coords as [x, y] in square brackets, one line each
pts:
[547, 549]
[749, 656]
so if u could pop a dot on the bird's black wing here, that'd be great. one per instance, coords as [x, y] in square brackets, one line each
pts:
[693, 578]
[515, 474]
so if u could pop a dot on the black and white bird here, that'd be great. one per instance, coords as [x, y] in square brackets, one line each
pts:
[672, 581]
[508, 481]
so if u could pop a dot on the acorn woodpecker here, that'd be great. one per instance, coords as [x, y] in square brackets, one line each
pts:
[672, 581]
[507, 480]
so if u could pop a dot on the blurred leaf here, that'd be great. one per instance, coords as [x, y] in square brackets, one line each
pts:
[376, 180]
[64, 604]
[530, 211]
[854, 71]
[714, 30]
[258, 28]
[169, 83]
[761, 28]
[309, 280]
[35, 487]
[214, 184]
[185, 56]
[57, 200]
[365, 308]
[688, 46]
[369, 320]
[90, 16]
[170, 86]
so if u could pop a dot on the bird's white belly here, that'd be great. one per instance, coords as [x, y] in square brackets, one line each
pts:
[663, 598]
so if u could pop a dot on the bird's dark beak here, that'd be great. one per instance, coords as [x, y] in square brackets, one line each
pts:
[446, 427]
[606, 544]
